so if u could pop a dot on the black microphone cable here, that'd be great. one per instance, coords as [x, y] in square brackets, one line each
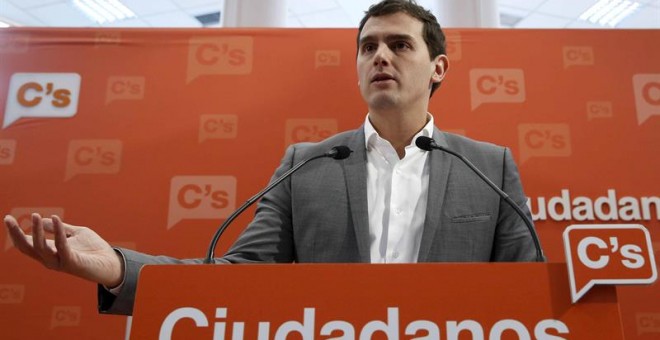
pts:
[337, 152]
[428, 144]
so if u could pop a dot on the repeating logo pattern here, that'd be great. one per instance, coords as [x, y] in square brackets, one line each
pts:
[309, 130]
[218, 127]
[65, 316]
[48, 95]
[608, 254]
[599, 109]
[11, 293]
[93, 156]
[648, 323]
[220, 56]
[578, 56]
[583, 130]
[454, 46]
[325, 58]
[647, 96]
[497, 86]
[7, 151]
[201, 197]
[544, 140]
[125, 88]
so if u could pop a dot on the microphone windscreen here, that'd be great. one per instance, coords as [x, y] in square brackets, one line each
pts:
[425, 143]
[340, 152]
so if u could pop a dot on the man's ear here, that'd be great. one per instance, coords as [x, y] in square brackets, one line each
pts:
[441, 63]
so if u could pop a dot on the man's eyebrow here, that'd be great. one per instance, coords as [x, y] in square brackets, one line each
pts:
[366, 39]
[389, 37]
[406, 37]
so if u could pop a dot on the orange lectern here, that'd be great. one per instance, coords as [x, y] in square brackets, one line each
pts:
[364, 301]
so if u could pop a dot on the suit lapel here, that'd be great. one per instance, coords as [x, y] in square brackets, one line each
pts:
[355, 172]
[439, 166]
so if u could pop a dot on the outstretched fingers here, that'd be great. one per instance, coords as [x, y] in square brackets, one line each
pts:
[46, 252]
[21, 241]
[38, 237]
[60, 231]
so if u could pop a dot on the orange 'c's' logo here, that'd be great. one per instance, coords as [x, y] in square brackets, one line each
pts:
[496, 86]
[647, 96]
[201, 197]
[7, 151]
[219, 55]
[93, 156]
[11, 294]
[218, 127]
[43, 95]
[608, 254]
[544, 140]
[578, 55]
[65, 316]
[125, 88]
[309, 130]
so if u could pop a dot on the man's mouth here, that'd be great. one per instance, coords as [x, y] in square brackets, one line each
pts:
[381, 77]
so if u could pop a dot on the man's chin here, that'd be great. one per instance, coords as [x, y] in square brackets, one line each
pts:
[382, 101]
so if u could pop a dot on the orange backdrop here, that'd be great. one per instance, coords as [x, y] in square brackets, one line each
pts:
[152, 137]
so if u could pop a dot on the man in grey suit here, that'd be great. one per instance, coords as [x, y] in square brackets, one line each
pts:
[389, 202]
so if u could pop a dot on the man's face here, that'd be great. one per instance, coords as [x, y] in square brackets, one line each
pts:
[393, 63]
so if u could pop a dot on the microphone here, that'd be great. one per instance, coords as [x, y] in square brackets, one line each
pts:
[428, 144]
[337, 152]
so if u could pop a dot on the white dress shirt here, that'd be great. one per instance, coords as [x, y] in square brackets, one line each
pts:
[397, 193]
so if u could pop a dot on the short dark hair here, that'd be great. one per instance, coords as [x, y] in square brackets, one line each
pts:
[432, 32]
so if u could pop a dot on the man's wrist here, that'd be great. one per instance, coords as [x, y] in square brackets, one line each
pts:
[116, 284]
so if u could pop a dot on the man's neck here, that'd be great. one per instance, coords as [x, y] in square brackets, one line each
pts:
[398, 127]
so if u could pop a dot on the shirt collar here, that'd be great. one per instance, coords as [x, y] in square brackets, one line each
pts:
[371, 135]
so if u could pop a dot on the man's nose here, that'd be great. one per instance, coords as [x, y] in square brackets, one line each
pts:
[382, 56]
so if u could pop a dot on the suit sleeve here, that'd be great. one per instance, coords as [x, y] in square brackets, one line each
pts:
[513, 241]
[268, 238]
[122, 303]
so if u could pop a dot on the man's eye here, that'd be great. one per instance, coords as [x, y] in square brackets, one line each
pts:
[368, 48]
[401, 45]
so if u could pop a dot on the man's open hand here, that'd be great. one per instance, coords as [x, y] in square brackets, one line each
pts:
[76, 250]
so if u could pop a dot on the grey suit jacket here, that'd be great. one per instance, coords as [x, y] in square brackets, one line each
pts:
[320, 214]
